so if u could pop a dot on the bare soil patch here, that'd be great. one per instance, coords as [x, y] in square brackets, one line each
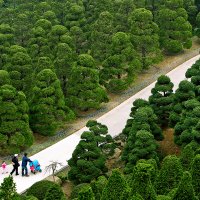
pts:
[167, 146]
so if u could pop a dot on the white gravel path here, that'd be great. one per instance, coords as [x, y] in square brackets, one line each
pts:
[114, 119]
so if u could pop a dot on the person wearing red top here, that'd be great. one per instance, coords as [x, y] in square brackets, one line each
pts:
[4, 168]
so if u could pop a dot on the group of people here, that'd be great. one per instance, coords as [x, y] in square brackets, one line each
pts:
[15, 163]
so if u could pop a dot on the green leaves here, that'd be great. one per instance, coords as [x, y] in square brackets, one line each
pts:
[88, 159]
[48, 107]
[162, 99]
[8, 189]
[14, 123]
[116, 188]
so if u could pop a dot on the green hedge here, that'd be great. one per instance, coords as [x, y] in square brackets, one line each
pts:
[40, 189]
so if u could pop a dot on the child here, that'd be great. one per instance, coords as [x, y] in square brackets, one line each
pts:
[32, 167]
[4, 168]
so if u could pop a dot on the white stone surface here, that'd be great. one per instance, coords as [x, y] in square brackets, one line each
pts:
[114, 119]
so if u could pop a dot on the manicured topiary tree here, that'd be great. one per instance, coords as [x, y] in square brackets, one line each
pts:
[63, 62]
[194, 73]
[8, 189]
[43, 63]
[187, 156]
[103, 140]
[152, 170]
[15, 133]
[185, 130]
[55, 192]
[138, 103]
[101, 36]
[76, 189]
[195, 172]
[145, 39]
[185, 190]
[98, 186]
[86, 60]
[185, 91]
[86, 194]
[161, 99]
[4, 77]
[175, 30]
[38, 45]
[88, 161]
[121, 65]
[48, 107]
[84, 91]
[144, 147]
[170, 174]
[145, 120]
[141, 183]
[6, 39]
[19, 66]
[116, 188]
[39, 189]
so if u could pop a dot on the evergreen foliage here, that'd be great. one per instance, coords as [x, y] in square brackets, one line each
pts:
[121, 64]
[48, 105]
[145, 38]
[185, 91]
[101, 35]
[88, 161]
[170, 174]
[187, 156]
[175, 30]
[194, 74]
[84, 91]
[144, 147]
[86, 194]
[19, 66]
[162, 98]
[8, 189]
[141, 183]
[195, 172]
[4, 78]
[136, 104]
[98, 186]
[77, 189]
[187, 129]
[116, 188]
[15, 133]
[185, 190]
[144, 129]
[103, 140]
[54, 192]
[39, 189]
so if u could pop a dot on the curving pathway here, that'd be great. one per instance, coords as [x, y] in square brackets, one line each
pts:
[114, 119]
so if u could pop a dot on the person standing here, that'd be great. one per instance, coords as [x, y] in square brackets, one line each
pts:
[15, 164]
[25, 160]
[4, 168]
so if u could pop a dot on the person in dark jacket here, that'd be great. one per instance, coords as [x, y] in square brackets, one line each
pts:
[15, 164]
[25, 160]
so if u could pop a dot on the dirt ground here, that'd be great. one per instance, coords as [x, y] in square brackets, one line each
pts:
[167, 146]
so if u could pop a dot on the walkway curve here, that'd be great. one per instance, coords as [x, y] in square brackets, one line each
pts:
[114, 119]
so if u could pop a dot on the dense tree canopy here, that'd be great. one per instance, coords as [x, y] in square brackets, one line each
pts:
[15, 133]
[161, 99]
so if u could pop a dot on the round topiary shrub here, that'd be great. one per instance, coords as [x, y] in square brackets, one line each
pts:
[40, 189]
[77, 189]
[55, 193]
